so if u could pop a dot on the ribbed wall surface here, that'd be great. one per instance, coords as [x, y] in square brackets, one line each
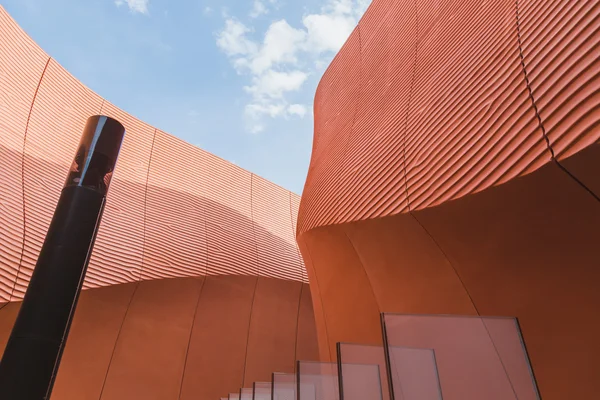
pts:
[429, 101]
[173, 210]
[462, 177]
[18, 83]
[560, 42]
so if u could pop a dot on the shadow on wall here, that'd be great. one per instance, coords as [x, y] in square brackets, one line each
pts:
[527, 248]
[178, 235]
[201, 336]
[198, 338]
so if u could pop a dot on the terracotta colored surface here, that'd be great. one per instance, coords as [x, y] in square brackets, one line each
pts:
[168, 214]
[93, 336]
[444, 194]
[273, 327]
[155, 334]
[560, 48]
[307, 347]
[152, 339]
[239, 308]
[18, 83]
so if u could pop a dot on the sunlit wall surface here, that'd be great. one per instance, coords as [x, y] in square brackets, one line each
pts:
[238, 306]
[456, 170]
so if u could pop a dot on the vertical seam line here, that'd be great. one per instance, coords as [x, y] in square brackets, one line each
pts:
[301, 282]
[536, 110]
[257, 276]
[410, 94]
[187, 351]
[12, 292]
[137, 283]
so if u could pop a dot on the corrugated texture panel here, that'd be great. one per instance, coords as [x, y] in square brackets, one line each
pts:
[294, 207]
[118, 251]
[21, 65]
[276, 245]
[471, 123]
[175, 224]
[61, 107]
[374, 17]
[561, 41]
[373, 181]
[229, 226]
[335, 108]
[189, 214]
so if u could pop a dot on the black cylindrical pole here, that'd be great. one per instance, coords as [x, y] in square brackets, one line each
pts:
[33, 352]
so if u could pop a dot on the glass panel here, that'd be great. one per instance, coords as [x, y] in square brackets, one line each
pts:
[414, 374]
[476, 357]
[245, 394]
[317, 381]
[363, 371]
[262, 391]
[284, 386]
[234, 396]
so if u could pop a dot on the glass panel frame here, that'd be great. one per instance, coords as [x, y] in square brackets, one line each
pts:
[476, 357]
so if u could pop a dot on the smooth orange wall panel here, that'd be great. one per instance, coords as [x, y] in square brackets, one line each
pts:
[150, 353]
[528, 249]
[223, 318]
[181, 339]
[273, 328]
[92, 339]
[22, 63]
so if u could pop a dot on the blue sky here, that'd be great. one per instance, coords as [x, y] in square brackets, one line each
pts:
[236, 78]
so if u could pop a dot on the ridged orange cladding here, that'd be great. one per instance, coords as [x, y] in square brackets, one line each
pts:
[335, 105]
[471, 122]
[119, 247]
[275, 241]
[175, 243]
[372, 177]
[22, 63]
[294, 207]
[61, 107]
[229, 225]
[173, 210]
[560, 42]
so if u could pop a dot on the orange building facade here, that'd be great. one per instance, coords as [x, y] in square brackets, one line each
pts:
[195, 287]
[456, 170]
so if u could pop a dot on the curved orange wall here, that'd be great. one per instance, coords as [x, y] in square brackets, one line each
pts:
[238, 306]
[455, 169]
[173, 209]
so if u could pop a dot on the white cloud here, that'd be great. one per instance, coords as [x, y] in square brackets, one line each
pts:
[280, 45]
[297, 109]
[274, 84]
[207, 10]
[232, 39]
[135, 6]
[281, 62]
[258, 9]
